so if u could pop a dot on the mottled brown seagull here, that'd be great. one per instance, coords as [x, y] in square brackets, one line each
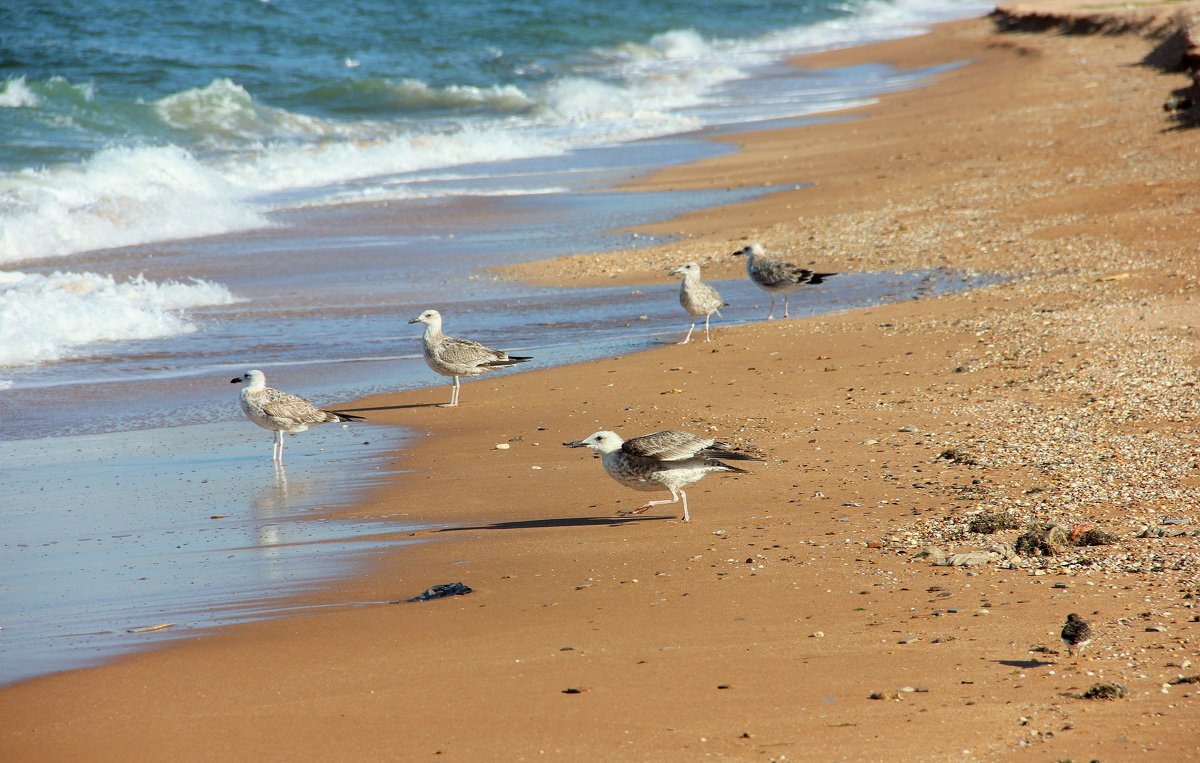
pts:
[697, 297]
[450, 356]
[669, 460]
[777, 276]
[279, 411]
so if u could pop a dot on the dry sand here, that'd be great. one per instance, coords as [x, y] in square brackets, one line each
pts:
[760, 630]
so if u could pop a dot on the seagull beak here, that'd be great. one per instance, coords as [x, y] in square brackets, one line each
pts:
[576, 444]
[415, 320]
[674, 272]
[738, 253]
[238, 380]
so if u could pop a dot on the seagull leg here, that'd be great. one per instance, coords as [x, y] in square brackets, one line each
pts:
[688, 338]
[277, 447]
[707, 338]
[785, 306]
[642, 509]
[771, 315]
[453, 395]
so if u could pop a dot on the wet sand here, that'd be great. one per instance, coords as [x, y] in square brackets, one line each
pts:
[760, 630]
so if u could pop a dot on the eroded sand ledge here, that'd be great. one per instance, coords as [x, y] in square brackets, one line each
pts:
[758, 631]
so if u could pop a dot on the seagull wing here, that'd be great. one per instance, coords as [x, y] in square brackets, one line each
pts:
[668, 445]
[285, 407]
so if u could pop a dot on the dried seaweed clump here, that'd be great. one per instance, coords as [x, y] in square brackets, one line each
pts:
[957, 456]
[1041, 540]
[1100, 691]
[987, 523]
[1090, 536]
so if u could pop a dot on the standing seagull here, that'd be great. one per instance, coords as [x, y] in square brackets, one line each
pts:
[279, 411]
[777, 275]
[1076, 634]
[450, 356]
[697, 297]
[670, 459]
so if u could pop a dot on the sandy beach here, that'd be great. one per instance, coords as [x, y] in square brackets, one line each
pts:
[800, 615]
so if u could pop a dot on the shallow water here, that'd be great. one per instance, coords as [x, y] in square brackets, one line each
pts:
[191, 525]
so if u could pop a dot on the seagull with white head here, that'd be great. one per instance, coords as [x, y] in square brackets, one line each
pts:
[777, 276]
[279, 411]
[697, 297]
[451, 356]
[668, 460]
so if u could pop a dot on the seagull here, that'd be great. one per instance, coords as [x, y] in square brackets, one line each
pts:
[1076, 634]
[280, 411]
[777, 275]
[670, 459]
[697, 297]
[450, 356]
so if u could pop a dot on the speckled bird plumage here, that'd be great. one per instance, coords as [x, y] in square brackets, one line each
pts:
[670, 460]
[777, 276]
[452, 356]
[697, 297]
[280, 411]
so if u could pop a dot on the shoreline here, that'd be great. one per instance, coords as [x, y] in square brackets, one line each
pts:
[757, 631]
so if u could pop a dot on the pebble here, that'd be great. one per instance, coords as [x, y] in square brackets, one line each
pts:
[502, 446]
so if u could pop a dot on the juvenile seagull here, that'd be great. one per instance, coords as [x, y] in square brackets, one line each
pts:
[1076, 634]
[697, 297]
[670, 459]
[450, 356]
[279, 411]
[775, 276]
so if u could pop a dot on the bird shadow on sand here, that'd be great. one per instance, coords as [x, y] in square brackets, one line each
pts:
[1025, 664]
[406, 406]
[533, 524]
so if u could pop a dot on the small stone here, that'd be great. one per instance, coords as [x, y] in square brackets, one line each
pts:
[1156, 629]
[817, 634]
[502, 446]
[909, 428]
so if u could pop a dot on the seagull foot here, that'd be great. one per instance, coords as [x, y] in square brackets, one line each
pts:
[628, 512]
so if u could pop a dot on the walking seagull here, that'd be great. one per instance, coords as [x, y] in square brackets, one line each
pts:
[670, 459]
[697, 297]
[1076, 634]
[279, 411]
[450, 356]
[777, 276]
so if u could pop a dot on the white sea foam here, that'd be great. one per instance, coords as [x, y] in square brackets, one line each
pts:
[50, 317]
[225, 109]
[16, 94]
[118, 197]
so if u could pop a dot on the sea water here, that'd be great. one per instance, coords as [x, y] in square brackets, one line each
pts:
[191, 189]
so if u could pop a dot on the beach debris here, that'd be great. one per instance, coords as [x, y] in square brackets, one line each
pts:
[957, 456]
[1041, 540]
[1193, 679]
[279, 411]
[152, 628]
[502, 446]
[1089, 535]
[989, 522]
[440, 591]
[451, 356]
[1099, 691]
[671, 460]
[576, 690]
